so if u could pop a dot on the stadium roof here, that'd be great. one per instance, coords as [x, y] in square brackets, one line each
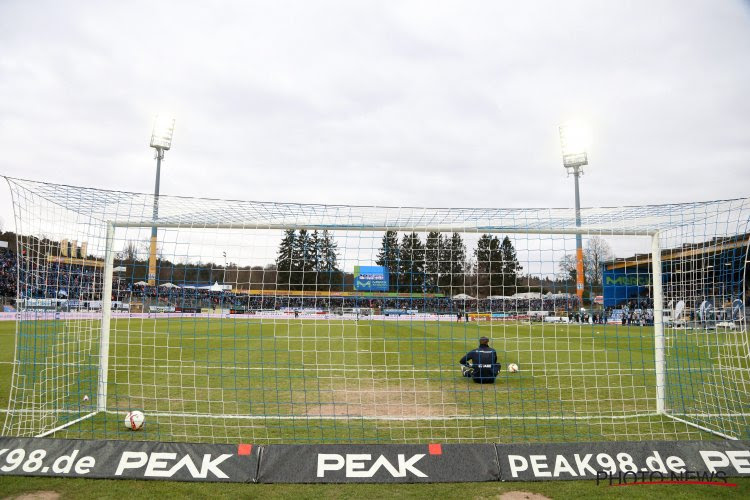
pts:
[687, 250]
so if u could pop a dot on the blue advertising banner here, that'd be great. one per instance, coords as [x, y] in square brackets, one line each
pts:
[622, 285]
[371, 278]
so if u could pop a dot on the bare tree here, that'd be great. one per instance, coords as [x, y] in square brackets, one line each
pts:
[567, 266]
[130, 252]
[597, 252]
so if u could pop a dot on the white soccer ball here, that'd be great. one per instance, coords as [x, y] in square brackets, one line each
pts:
[512, 368]
[134, 420]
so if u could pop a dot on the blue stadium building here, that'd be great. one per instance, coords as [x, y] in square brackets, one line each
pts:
[710, 276]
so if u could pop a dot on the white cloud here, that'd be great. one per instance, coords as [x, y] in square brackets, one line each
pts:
[401, 103]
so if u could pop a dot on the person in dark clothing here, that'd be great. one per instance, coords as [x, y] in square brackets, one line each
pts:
[481, 363]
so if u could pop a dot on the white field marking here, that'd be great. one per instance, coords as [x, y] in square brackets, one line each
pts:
[36, 412]
[67, 424]
[52, 365]
[603, 371]
[433, 419]
[390, 418]
[373, 368]
[381, 368]
[345, 417]
[613, 371]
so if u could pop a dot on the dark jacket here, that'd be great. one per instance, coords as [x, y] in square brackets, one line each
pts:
[484, 361]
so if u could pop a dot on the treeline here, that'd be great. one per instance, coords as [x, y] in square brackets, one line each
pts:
[440, 264]
[308, 260]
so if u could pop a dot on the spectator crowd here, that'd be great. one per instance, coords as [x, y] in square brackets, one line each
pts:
[79, 283]
[7, 274]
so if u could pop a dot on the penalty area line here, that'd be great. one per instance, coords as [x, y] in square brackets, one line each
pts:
[393, 418]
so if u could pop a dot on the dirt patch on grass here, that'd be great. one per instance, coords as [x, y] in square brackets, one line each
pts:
[37, 495]
[522, 495]
[408, 399]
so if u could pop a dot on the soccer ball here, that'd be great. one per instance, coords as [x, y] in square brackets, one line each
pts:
[512, 368]
[134, 420]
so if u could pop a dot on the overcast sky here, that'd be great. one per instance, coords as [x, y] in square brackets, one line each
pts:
[394, 103]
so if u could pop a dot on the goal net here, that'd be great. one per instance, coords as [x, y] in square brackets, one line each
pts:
[281, 322]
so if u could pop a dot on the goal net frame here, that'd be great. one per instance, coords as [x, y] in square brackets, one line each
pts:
[656, 230]
[656, 268]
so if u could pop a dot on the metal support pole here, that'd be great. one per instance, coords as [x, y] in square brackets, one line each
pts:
[109, 259]
[152, 253]
[579, 241]
[224, 277]
[659, 352]
[223, 280]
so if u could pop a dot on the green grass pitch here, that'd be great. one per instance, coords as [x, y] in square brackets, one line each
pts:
[299, 367]
[304, 381]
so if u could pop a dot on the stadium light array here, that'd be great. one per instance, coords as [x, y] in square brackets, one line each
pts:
[575, 139]
[161, 140]
[161, 136]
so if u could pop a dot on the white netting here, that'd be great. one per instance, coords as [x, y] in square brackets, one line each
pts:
[260, 325]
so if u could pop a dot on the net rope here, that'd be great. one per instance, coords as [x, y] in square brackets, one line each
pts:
[238, 339]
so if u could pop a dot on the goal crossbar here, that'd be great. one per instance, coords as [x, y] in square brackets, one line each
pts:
[596, 230]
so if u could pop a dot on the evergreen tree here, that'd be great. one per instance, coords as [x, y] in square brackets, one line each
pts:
[411, 265]
[445, 256]
[489, 266]
[432, 263]
[311, 255]
[284, 258]
[482, 254]
[389, 256]
[510, 267]
[452, 264]
[328, 265]
[296, 275]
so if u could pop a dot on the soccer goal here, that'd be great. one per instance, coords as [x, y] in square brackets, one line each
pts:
[248, 328]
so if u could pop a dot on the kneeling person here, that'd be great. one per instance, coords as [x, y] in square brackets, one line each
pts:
[481, 363]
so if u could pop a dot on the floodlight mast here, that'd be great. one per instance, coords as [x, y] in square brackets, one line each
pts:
[161, 140]
[573, 139]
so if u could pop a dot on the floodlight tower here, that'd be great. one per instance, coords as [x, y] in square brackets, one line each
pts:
[574, 139]
[161, 140]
